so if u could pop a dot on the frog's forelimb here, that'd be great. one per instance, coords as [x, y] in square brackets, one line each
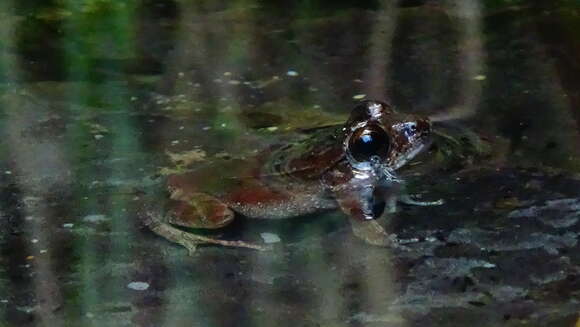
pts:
[371, 232]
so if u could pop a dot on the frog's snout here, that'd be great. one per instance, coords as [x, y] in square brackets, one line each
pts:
[424, 126]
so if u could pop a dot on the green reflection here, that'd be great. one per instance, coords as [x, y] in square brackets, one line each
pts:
[99, 35]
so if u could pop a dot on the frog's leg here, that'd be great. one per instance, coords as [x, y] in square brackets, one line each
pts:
[197, 210]
[189, 240]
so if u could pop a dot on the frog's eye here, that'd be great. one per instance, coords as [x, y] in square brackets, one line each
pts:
[368, 142]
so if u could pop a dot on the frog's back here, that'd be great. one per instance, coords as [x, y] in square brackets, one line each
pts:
[280, 182]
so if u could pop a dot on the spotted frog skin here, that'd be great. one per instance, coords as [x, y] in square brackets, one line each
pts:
[351, 167]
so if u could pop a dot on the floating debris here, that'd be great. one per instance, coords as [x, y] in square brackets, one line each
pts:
[95, 219]
[264, 83]
[480, 77]
[359, 96]
[97, 129]
[270, 238]
[292, 73]
[68, 225]
[138, 286]
[187, 157]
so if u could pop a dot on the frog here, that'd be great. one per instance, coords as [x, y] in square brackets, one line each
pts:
[351, 166]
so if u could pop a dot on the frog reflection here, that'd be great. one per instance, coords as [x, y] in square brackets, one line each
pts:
[352, 167]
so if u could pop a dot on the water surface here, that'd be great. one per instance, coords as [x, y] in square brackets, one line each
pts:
[96, 95]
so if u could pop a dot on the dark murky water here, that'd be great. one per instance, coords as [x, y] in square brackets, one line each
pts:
[97, 95]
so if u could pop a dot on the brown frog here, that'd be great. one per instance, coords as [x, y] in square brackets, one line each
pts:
[352, 167]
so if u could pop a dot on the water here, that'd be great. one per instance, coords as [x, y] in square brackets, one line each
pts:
[97, 95]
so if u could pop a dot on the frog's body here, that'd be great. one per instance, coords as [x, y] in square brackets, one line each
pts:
[351, 167]
[266, 185]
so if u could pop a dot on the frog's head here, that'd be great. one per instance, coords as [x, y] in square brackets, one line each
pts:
[377, 137]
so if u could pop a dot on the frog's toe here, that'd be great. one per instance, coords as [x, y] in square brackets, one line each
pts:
[200, 210]
[409, 200]
[190, 246]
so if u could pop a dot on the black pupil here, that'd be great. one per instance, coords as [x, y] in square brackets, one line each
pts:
[368, 142]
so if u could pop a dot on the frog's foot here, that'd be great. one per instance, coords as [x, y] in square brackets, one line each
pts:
[371, 232]
[391, 204]
[190, 241]
[407, 199]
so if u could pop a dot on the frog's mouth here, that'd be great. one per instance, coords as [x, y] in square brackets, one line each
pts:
[409, 154]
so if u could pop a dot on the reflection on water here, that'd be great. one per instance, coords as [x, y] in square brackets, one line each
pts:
[97, 94]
